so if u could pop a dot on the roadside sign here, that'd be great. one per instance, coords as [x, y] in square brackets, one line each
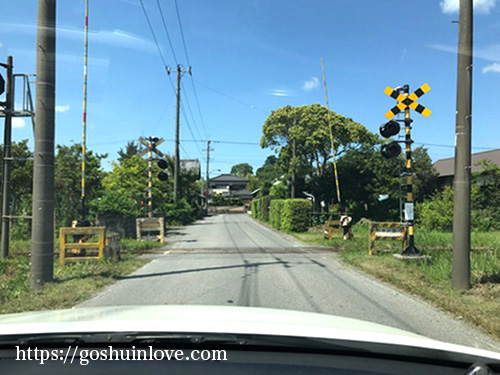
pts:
[409, 211]
[409, 101]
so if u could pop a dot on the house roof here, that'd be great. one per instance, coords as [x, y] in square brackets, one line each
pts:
[243, 193]
[230, 178]
[446, 167]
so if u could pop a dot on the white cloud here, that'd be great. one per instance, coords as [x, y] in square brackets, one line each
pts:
[312, 84]
[62, 108]
[280, 93]
[481, 6]
[18, 122]
[495, 68]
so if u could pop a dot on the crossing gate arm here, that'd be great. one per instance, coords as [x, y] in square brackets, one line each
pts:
[386, 231]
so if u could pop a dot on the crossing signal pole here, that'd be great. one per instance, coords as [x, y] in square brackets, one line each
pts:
[151, 143]
[180, 72]
[406, 101]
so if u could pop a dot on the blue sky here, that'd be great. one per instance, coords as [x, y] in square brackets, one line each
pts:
[249, 57]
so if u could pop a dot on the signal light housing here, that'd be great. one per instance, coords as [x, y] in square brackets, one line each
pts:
[391, 150]
[163, 176]
[389, 129]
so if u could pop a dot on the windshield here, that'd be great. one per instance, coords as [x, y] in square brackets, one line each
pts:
[313, 156]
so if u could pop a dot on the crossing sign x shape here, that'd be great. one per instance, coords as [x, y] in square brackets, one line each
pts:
[406, 101]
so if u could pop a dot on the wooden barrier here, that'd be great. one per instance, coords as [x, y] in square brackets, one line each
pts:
[150, 229]
[332, 228]
[386, 231]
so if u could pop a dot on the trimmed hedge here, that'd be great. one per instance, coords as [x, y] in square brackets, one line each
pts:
[263, 209]
[275, 210]
[295, 215]
[254, 207]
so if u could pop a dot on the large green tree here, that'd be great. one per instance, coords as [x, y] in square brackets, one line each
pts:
[68, 181]
[242, 169]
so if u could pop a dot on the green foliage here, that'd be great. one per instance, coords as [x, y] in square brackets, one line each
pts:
[116, 203]
[180, 214]
[275, 212]
[279, 191]
[296, 214]
[131, 149]
[255, 207]
[222, 200]
[437, 213]
[242, 169]
[268, 174]
[68, 181]
[263, 208]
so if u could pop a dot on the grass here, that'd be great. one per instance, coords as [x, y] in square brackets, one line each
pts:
[72, 284]
[480, 305]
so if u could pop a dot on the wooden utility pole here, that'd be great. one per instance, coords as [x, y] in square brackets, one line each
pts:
[294, 150]
[208, 175]
[460, 275]
[42, 253]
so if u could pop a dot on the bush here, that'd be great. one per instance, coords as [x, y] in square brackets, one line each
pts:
[263, 208]
[295, 215]
[275, 209]
[179, 214]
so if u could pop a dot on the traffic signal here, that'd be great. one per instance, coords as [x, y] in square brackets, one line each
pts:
[387, 130]
[163, 176]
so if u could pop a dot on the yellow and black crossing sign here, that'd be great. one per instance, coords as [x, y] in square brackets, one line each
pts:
[407, 101]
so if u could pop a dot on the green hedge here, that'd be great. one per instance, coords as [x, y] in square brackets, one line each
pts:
[254, 208]
[275, 210]
[263, 208]
[295, 215]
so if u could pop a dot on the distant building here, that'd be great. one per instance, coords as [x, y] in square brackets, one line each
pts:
[230, 185]
[446, 167]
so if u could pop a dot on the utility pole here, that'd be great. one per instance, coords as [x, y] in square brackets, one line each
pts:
[180, 72]
[84, 133]
[460, 275]
[294, 150]
[208, 175]
[7, 157]
[42, 253]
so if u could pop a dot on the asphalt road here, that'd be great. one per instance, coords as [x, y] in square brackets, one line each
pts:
[233, 260]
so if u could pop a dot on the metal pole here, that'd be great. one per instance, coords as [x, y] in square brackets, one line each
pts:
[150, 178]
[42, 254]
[411, 250]
[208, 175]
[177, 161]
[330, 126]
[460, 275]
[84, 135]
[7, 154]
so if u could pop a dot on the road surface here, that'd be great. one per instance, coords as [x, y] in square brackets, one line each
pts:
[230, 259]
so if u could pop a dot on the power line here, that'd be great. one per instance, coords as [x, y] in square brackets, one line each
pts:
[232, 98]
[199, 109]
[153, 34]
[182, 32]
[185, 152]
[166, 32]
[190, 111]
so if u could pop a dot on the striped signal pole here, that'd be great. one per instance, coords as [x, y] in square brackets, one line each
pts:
[84, 133]
[337, 185]
[150, 177]
[411, 249]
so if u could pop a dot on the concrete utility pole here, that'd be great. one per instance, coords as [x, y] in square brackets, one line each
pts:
[208, 175]
[150, 177]
[180, 72]
[7, 156]
[460, 275]
[42, 253]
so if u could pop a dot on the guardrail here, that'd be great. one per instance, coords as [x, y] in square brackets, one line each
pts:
[386, 231]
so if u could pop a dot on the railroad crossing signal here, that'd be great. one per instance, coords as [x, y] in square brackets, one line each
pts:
[407, 101]
[2, 85]
[155, 142]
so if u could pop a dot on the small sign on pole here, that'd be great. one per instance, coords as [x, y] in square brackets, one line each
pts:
[409, 211]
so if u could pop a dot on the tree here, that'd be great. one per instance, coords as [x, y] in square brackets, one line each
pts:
[269, 173]
[308, 126]
[425, 175]
[131, 149]
[68, 166]
[242, 169]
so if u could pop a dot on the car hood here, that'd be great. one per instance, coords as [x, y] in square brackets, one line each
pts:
[218, 319]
